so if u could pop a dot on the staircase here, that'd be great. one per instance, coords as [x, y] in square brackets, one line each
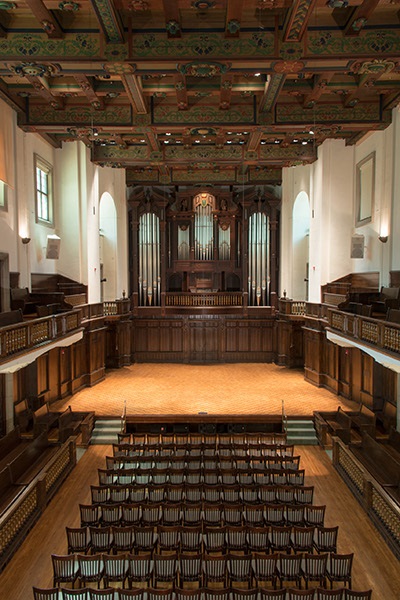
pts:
[106, 431]
[301, 432]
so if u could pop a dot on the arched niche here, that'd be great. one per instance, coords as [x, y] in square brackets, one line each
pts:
[300, 245]
[108, 248]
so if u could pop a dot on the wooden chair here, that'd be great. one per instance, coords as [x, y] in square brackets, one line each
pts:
[289, 568]
[77, 539]
[216, 594]
[302, 539]
[100, 494]
[294, 515]
[228, 477]
[65, 569]
[249, 494]
[215, 539]
[339, 568]
[191, 539]
[106, 477]
[68, 594]
[119, 494]
[101, 539]
[140, 569]
[156, 493]
[236, 539]
[215, 569]
[275, 514]
[136, 594]
[190, 569]
[258, 539]
[151, 514]
[213, 514]
[352, 595]
[107, 594]
[115, 569]
[295, 477]
[192, 514]
[324, 594]
[314, 515]
[171, 514]
[212, 493]
[272, 594]
[211, 477]
[90, 568]
[280, 539]
[254, 515]
[181, 594]
[285, 494]
[45, 593]
[137, 493]
[168, 538]
[90, 514]
[165, 568]
[110, 514]
[131, 514]
[293, 594]
[326, 539]
[233, 514]
[241, 594]
[267, 494]
[240, 569]
[265, 568]
[303, 494]
[193, 493]
[123, 539]
[314, 568]
[174, 493]
[145, 539]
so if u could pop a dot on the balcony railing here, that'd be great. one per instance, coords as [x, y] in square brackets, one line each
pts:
[25, 336]
[205, 299]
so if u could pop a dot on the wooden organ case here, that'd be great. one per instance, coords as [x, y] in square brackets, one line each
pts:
[204, 266]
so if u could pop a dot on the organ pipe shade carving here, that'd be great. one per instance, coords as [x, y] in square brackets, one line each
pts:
[204, 226]
[149, 260]
[258, 280]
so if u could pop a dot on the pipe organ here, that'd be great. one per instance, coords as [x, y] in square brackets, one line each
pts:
[188, 242]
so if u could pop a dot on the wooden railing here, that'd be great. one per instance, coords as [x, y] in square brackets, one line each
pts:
[25, 336]
[105, 309]
[382, 334]
[205, 299]
[26, 509]
[382, 509]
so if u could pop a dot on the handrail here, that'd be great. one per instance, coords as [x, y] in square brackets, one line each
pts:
[202, 299]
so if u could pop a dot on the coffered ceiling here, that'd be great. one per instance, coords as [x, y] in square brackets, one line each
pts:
[224, 91]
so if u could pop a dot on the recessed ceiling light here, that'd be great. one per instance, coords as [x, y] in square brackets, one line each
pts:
[295, 141]
[263, 142]
[197, 141]
[304, 143]
[257, 74]
[311, 132]
[229, 142]
[166, 142]
[168, 133]
[277, 141]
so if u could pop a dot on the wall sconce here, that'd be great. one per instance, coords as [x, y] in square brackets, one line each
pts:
[25, 240]
[383, 239]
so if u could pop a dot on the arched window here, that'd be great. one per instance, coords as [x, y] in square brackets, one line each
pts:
[149, 260]
[258, 280]
[203, 226]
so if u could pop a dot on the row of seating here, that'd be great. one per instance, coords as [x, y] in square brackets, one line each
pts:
[278, 476]
[88, 593]
[205, 463]
[228, 570]
[155, 514]
[249, 451]
[228, 493]
[195, 440]
[195, 539]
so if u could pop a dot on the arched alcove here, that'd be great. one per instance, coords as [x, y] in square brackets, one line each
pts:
[108, 248]
[300, 239]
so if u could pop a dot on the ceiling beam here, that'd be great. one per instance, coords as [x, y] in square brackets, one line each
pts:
[41, 85]
[297, 20]
[181, 91]
[109, 20]
[272, 89]
[360, 16]
[46, 19]
[320, 83]
[87, 88]
[233, 18]
[226, 91]
[173, 23]
[254, 140]
[133, 88]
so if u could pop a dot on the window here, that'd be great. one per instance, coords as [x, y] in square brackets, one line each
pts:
[3, 196]
[44, 196]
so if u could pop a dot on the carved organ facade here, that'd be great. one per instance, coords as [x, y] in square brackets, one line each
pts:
[190, 242]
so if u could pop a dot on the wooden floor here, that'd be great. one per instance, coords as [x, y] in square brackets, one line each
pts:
[175, 389]
[374, 565]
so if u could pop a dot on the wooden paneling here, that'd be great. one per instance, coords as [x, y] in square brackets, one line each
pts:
[118, 343]
[203, 339]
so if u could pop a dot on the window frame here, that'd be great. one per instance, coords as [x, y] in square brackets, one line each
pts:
[45, 167]
[4, 196]
[365, 190]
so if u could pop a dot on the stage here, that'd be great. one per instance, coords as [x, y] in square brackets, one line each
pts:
[204, 392]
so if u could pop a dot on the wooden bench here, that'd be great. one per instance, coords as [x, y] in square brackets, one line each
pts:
[23, 467]
[334, 423]
[44, 419]
[72, 423]
[386, 414]
[380, 463]
[11, 445]
[364, 420]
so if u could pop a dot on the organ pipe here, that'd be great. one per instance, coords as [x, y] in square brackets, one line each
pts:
[149, 260]
[258, 247]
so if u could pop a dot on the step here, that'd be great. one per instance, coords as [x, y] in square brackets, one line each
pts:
[106, 431]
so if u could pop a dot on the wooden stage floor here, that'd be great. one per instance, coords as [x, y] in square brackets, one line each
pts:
[227, 389]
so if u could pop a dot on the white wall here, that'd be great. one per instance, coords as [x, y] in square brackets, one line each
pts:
[77, 189]
[330, 184]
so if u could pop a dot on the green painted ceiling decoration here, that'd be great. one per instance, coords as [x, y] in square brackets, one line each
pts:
[182, 91]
